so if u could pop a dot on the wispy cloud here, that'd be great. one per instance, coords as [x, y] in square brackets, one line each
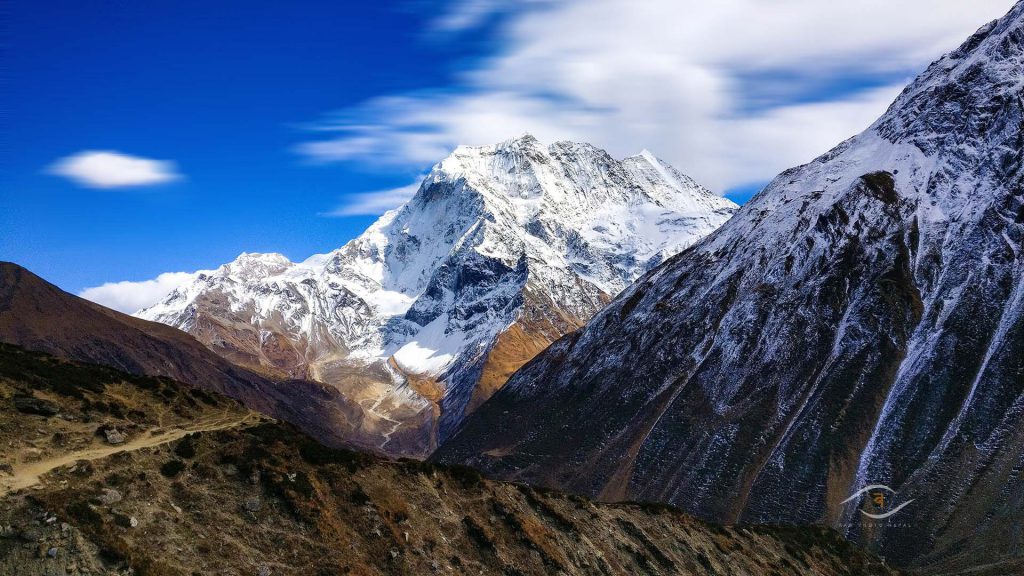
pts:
[377, 202]
[129, 297]
[110, 169]
[688, 79]
[464, 15]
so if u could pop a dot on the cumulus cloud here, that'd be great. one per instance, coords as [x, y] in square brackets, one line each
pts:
[110, 169]
[130, 297]
[731, 92]
[377, 202]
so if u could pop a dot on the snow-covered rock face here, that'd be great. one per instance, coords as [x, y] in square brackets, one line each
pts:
[860, 321]
[413, 317]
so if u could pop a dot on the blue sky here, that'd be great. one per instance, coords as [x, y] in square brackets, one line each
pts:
[273, 116]
[223, 93]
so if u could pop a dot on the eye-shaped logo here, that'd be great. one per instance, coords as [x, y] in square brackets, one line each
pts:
[880, 498]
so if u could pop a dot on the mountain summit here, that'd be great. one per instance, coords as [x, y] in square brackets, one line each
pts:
[859, 322]
[502, 250]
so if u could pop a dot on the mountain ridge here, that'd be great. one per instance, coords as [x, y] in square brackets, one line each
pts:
[858, 322]
[195, 483]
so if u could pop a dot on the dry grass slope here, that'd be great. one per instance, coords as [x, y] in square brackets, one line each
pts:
[259, 497]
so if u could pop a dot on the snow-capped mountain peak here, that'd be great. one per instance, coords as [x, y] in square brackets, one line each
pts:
[502, 249]
[252, 265]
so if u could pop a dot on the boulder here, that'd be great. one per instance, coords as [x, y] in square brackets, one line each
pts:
[109, 497]
[33, 405]
[114, 436]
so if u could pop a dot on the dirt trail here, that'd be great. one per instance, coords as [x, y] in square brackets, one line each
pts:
[29, 474]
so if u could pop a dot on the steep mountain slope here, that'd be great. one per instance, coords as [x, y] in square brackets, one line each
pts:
[502, 250]
[202, 486]
[859, 322]
[39, 316]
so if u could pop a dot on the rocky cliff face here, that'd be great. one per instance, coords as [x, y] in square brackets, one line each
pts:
[419, 320]
[859, 322]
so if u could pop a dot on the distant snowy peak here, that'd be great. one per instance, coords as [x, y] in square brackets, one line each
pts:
[254, 265]
[640, 206]
[524, 169]
[516, 236]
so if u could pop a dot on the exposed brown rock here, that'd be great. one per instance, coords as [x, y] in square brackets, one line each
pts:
[513, 348]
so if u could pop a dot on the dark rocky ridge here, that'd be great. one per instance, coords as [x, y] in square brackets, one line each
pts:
[860, 321]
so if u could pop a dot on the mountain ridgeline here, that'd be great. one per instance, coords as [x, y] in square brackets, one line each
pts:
[859, 322]
[38, 316]
[502, 250]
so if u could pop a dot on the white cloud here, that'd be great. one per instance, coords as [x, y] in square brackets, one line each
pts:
[130, 297]
[373, 203]
[686, 79]
[109, 169]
